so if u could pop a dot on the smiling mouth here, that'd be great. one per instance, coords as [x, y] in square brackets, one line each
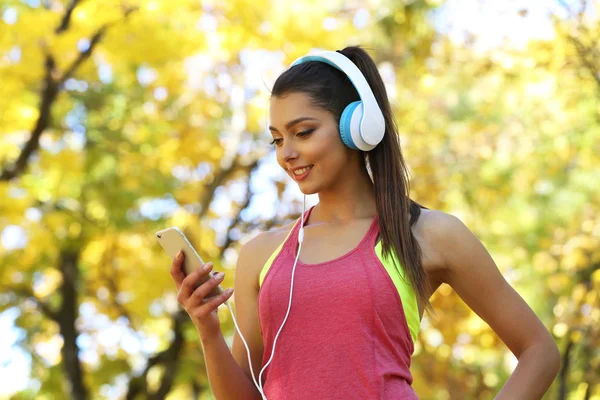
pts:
[299, 172]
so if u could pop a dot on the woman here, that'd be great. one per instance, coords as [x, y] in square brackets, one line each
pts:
[372, 258]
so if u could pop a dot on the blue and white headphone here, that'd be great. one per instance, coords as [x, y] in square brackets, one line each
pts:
[362, 125]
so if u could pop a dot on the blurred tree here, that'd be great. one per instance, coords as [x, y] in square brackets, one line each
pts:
[118, 119]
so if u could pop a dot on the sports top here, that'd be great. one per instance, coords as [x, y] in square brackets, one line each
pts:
[351, 328]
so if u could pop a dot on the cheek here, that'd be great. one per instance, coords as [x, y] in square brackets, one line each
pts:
[281, 163]
[326, 151]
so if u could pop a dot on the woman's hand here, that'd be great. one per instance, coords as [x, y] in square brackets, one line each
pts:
[202, 310]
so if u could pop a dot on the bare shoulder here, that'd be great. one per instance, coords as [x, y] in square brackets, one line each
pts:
[433, 231]
[257, 250]
[434, 222]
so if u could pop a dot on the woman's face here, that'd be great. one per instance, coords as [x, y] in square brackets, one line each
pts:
[306, 135]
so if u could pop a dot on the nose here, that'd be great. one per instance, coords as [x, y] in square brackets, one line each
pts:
[288, 151]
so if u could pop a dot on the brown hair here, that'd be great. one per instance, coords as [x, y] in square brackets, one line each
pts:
[331, 89]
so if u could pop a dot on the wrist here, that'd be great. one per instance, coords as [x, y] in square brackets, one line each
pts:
[208, 338]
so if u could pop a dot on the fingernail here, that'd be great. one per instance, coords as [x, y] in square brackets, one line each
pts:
[180, 254]
[207, 266]
[218, 275]
[229, 291]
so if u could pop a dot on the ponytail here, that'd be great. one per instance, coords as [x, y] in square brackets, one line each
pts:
[397, 212]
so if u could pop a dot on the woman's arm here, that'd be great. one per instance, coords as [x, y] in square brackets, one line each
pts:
[471, 272]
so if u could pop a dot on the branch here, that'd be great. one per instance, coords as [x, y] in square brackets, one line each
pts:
[583, 52]
[267, 225]
[83, 55]
[168, 357]
[564, 372]
[172, 356]
[64, 23]
[209, 191]
[572, 13]
[248, 195]
[26, 292]
[59, 206]
[96, 37]
[589, 390]
[114, 290]
[566, 7]
[110, 276]
[196, 390]
[49, 93]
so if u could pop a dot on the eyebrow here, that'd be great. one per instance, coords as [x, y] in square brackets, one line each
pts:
[293, 122]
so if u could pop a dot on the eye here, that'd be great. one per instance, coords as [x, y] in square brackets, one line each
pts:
[306, 132]
[300, 134]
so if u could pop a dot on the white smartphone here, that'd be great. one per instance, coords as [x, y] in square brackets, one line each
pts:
[172, 240]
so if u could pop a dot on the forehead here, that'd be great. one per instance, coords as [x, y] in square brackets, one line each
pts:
[291, 105]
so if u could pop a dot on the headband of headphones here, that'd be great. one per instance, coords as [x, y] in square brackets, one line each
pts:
[372, 124]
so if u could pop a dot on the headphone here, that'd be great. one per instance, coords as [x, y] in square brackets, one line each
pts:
[362, 124]
[362, 127]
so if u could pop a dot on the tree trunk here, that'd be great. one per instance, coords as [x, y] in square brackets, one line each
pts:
[66, 321]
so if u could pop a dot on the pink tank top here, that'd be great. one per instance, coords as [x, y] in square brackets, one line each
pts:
[346, 336]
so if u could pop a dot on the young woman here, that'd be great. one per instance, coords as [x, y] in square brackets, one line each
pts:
[370, 260]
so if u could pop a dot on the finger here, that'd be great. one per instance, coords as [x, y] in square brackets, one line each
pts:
[189, 283]
[212, 303]
[199, 295]
[176, 270]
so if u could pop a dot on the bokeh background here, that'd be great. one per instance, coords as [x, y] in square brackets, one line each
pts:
[119, 118]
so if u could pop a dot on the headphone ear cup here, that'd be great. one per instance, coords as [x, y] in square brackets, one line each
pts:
[346, 124]
[350, 132]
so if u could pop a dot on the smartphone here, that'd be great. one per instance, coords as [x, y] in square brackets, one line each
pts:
[172, 240]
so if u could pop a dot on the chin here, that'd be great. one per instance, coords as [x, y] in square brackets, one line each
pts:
[307, 191]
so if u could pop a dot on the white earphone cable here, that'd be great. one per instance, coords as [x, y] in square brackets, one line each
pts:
[259, 383]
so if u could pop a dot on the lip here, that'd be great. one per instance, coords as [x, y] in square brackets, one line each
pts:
[294, 169]
[298, 178]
